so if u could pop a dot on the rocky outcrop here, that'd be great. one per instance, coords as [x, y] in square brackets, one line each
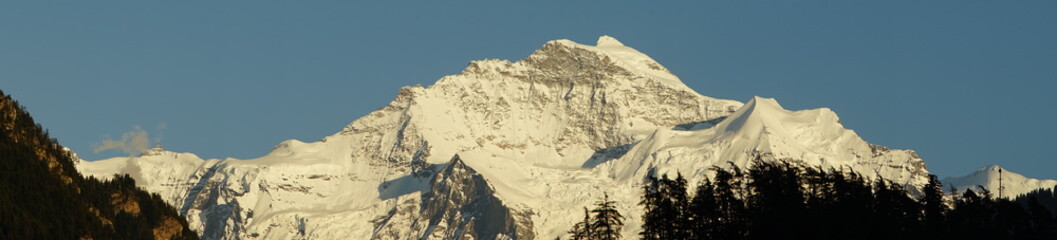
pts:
[460, 205]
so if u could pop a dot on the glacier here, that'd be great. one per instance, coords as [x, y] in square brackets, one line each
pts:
[502, 150]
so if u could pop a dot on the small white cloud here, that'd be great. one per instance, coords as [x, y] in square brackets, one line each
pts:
[132, 142]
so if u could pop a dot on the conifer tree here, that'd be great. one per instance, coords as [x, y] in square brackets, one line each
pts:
[935, 210]
[43, 196]
[680, 203]
[1045, 224]
[704, 211]
[782, 200]
[607, 221]
[668, 208]
[653, 217]
[731, 213]
[777, 200]
[582, 230]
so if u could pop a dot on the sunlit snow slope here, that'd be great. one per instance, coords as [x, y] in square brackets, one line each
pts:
[503, 150]
[988, 177]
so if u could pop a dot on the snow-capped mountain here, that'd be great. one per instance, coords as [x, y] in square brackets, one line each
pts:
[503, 150]
[988, 177]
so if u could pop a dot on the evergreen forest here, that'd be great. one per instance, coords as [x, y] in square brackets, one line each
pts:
[785, 200]
[42, 196]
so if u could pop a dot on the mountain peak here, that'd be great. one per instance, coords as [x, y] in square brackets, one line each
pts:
[991, 168]
[763, 128]
[764, 104]
[988, 177]
[607, 41]
[608, 56]
[756, 114]
[991, 172]
[157, 150]
[519, 141]
[456, 163]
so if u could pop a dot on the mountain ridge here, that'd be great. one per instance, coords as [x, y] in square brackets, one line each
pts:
[988, 177]
[46, 197]
[560, 128]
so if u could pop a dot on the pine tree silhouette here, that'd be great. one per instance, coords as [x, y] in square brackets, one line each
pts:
[935, 210]
[704, 212]
[607, 222]
[603, 222]
[777, 200]
[1045, 224]
[676, 203]
[653, 218]
[783, 200]
[732, 216]
[582, 230]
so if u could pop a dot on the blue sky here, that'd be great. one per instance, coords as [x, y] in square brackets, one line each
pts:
[965, 83]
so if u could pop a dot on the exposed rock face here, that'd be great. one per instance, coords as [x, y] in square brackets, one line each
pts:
[124, 203]
[170, 228]
[459, 205]
[536, 140]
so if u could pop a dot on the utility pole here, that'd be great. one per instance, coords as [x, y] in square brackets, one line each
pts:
[1001, 187]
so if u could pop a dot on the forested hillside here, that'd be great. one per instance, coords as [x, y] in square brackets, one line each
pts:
[42, 196]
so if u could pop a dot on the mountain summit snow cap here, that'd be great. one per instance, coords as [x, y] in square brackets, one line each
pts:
[990, 168]
[756, 114]
[607, 41]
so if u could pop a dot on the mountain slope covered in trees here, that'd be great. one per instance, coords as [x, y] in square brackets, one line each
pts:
[42, 196]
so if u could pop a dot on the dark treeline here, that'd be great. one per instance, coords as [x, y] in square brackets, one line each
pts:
[782, 200]
[42, 196]
[1045, 197]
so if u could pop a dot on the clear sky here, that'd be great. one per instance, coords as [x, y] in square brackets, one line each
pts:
[965, 83]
